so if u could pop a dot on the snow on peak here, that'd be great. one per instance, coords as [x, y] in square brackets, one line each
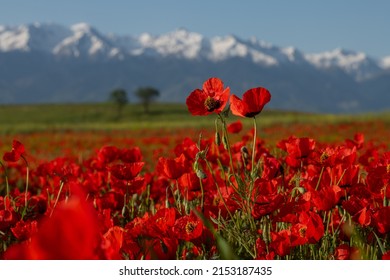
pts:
[230, 46]
[179, 42]
[84, 40]
[14, 38]
[33, 37]
[293, 54]
[81, 27]
[224, 47]
[337, 57]
[385, 62]
[357, 64]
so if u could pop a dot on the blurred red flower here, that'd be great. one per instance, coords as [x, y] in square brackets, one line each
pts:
[386, 256]
[342, 252]
[126, 171]
[107, 154]
[131, 155]
[71, 233]
[235, 127]
[16, 152]
[211, 99]
[252, 102]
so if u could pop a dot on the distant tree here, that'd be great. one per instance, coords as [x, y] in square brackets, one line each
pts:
[119, 98]
[146, 95]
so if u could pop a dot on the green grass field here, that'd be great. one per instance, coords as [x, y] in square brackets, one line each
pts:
[102, 116]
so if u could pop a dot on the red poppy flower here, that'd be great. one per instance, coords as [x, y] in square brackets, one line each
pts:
[126, 171]
[235, 127]
[298, 149]
[71, 233]
[188, 227]
[172, 168]
[24, 230]
[327, 198]
[131, 155]
[309, 229]
[266, 204]
[161, 223]
[112, 243]
[252, 102]
[161, 249]
[386, 256]
[16, 152]
[108, 154]
[281, 243]
[7, 218]
[382, 220]
[212, 98]
[342, 252]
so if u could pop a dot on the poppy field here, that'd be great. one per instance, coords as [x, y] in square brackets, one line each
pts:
[236, 190]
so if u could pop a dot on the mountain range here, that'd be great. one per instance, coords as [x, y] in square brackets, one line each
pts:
[50, 63]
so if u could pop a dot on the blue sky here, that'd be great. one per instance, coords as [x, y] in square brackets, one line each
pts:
[309, 25]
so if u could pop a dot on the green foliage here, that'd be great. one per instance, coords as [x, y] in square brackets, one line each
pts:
[119, 98]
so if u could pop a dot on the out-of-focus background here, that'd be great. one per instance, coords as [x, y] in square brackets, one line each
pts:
[129, 65]
[313, 56]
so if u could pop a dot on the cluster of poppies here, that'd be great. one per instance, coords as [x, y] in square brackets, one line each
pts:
[211, 199]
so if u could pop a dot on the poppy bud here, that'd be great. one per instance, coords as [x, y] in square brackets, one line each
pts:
[244, 152]
[217, 138]
[201, 174]
[225, 142]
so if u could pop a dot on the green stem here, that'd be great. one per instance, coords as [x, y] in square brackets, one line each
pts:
[202, 195]
[26, 191]
[218, 189]
[254, 146]
[253, 177]
[6, 182]
[320, 178]
[58, 197]
[226, 135]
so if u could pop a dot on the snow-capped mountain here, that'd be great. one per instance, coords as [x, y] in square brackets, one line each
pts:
[82, 40]
[53, 55]
[357, 64]
[33, 37]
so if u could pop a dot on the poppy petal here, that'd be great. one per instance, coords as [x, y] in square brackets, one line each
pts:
[195, 103]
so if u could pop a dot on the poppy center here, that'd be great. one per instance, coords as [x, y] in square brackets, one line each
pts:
[190, 227]
[211, 104]
[302, 232]
[324, 157]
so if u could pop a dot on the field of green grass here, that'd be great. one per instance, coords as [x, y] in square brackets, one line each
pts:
[102, 116]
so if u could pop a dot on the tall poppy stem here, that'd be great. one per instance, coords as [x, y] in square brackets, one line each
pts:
[6, 183]
[58, 197]
[226, 139]
[254, 146]
[27, 177]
